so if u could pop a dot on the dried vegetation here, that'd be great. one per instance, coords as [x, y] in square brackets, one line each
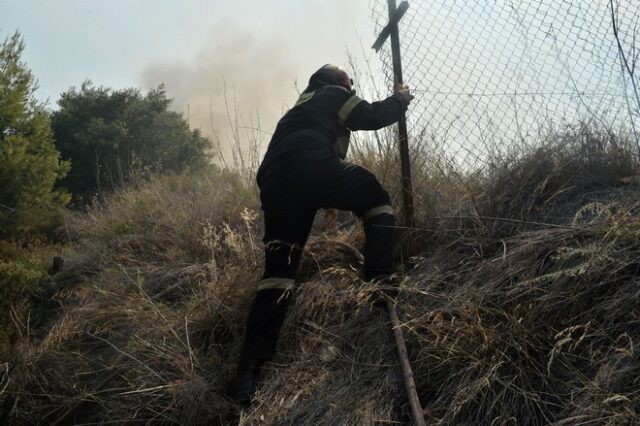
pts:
[520, 306]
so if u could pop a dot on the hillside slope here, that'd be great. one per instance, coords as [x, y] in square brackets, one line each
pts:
[519, 307]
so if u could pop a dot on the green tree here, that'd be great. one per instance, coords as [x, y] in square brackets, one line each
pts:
[108, 134]
[29, 162]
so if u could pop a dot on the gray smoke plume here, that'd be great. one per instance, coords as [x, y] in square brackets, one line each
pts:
[236, 84]
[243, 79]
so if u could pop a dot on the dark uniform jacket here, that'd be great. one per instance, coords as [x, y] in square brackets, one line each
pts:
[321, 121]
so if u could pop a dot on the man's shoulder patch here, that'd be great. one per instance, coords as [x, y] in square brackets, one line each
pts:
[304, 98]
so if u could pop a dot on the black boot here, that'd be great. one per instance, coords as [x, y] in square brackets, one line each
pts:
[244, 386]
[387, 289]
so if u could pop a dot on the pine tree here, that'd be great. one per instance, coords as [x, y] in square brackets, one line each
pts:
[29, 162]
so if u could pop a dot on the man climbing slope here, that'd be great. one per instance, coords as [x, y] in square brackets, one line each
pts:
[303, 171]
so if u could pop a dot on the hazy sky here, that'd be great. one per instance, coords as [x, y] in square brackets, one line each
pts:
[473, 64]
[256, 49]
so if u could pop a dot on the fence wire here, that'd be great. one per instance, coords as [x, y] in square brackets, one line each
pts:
[493, 75]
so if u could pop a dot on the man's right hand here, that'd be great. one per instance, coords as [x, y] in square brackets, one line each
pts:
[403, 91]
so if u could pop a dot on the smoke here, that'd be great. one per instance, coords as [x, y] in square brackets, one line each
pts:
[234, 90]
[251, 69]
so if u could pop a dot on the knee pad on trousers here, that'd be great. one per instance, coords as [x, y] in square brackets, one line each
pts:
[374, 212]
[379, 202]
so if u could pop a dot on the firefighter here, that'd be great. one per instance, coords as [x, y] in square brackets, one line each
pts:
[303, 171]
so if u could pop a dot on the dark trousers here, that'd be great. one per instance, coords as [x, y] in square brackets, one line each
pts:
[292, 189]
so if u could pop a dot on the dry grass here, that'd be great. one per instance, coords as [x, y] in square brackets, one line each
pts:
[540, 332]
[521, 307]
[143, 326]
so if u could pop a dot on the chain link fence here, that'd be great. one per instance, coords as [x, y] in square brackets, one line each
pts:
[494, 76]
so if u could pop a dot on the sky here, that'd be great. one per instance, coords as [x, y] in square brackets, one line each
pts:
[476, 67]
[212, 56]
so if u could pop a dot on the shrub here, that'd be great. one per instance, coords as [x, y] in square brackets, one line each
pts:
[21, 275]
[107, 134]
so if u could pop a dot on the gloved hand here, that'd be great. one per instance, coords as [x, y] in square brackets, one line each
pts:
[405, 94]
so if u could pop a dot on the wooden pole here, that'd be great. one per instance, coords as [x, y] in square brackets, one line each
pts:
[391, 31]
[407, 190]
[409, 383]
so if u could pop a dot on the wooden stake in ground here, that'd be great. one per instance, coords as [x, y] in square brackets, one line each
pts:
[391, 31]
[409, 383]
